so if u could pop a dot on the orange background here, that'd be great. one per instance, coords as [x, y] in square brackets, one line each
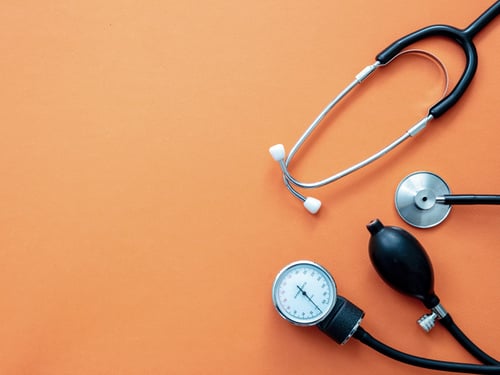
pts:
[142, 220]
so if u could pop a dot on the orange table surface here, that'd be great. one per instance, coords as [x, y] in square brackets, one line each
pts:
[142, 219]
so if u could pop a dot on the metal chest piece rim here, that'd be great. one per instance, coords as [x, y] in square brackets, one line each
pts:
[415, 199]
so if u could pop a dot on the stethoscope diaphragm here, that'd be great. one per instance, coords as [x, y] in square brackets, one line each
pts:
[416, 199]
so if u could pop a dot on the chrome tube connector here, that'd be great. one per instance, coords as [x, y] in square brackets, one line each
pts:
[428, 321]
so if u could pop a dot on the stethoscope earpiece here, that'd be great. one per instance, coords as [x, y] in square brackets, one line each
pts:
[305, 294]
[277, 152]
[311, 204]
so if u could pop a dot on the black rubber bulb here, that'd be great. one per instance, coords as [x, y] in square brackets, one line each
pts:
[401, 261]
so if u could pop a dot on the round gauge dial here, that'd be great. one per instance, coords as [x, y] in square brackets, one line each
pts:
[304, 293]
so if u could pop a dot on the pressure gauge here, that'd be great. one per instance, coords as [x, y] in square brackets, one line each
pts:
[304, 293]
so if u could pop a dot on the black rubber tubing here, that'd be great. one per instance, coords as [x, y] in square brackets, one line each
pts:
[466, 343]
[462, 38]
[432, 364]
[471, 199]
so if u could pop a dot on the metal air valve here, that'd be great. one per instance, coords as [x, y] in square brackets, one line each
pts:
[428, 321]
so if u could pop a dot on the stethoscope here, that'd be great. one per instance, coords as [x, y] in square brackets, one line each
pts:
[305, 293]
[423, 199]
[462, 37]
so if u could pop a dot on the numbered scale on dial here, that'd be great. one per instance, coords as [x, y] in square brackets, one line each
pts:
[304, 293]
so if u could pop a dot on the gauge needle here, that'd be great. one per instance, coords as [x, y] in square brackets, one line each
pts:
[304, 293]
[301, 290]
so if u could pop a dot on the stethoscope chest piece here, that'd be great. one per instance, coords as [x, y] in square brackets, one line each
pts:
[415, 199]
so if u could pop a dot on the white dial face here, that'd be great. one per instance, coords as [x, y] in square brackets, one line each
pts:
[304, 293]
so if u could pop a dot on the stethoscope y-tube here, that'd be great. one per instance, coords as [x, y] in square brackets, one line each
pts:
[397, 256]
[462, 37]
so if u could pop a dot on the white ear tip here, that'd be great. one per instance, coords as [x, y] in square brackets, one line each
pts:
[277, 152]
[312, 205]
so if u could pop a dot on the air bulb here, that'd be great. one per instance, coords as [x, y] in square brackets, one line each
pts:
[401, 261]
